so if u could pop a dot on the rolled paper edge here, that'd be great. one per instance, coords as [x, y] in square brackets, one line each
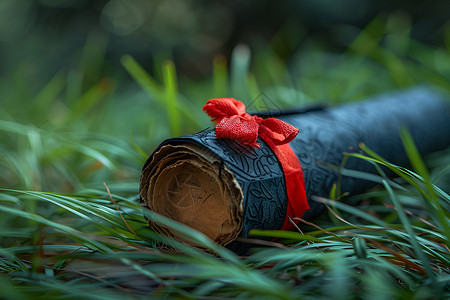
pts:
[189, 184]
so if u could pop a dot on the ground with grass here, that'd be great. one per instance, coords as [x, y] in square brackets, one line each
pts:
[72, 150]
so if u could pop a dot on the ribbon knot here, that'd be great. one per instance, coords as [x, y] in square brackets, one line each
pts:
[233, 122]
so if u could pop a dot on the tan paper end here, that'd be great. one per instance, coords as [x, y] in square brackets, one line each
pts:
[190, 185]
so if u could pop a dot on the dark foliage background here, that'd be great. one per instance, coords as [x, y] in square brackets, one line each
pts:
[48, 34]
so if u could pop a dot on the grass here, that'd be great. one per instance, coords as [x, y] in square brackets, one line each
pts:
[64, 234]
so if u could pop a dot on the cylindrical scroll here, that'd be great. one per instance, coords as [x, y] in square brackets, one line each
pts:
[224, 188]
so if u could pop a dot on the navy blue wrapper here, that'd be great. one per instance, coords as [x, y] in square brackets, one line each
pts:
[325, 134]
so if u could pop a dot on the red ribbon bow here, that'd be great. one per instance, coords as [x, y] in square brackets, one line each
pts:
[233, 122]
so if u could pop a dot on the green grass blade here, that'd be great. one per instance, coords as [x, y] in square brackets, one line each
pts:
[411, 233]
[420, 168]
[220, 77]
[240, 63]
[171, 98]
[147, 83]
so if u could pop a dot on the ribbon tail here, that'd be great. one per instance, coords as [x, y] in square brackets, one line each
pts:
[295, 181]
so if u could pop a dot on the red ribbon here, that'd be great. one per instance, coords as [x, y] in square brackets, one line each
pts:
[233, 122]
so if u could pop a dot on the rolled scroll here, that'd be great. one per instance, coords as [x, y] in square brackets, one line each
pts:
[224, 188]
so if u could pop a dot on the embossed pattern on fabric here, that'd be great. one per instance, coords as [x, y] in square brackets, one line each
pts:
[324, 137]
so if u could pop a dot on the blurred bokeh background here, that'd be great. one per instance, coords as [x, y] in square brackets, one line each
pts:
[89, 87]
[47, 35]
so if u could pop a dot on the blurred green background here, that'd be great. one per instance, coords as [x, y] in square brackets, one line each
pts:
[89, 88]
